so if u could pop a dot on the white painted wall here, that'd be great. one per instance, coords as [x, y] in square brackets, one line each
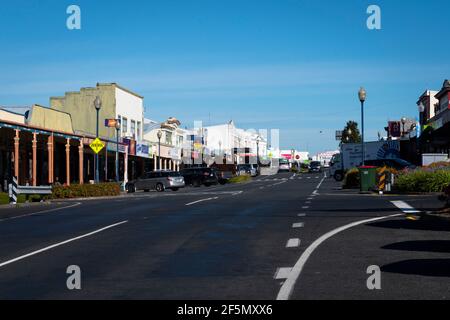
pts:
[131, 107]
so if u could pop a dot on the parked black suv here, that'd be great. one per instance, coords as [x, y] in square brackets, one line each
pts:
[200, 176]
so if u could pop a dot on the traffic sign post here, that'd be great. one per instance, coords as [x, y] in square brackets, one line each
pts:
[97, 145]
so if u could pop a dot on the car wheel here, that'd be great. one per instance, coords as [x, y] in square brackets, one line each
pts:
[131, 188]
[338, 176]
[160, 187]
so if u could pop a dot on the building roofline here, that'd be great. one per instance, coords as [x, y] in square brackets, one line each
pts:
[27, 126]
[13, 112]
[114, 84]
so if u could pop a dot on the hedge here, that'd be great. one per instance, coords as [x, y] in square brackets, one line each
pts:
[423, 181]
[4, 198]
[85, 191]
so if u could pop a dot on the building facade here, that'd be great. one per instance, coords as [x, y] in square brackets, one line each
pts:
[435, 120]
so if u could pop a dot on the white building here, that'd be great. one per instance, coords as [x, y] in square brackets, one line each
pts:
[325, 157]
[168, 148]
[226, 139]
[130, 112]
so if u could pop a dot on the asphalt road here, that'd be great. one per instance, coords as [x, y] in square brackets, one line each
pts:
[249, 241]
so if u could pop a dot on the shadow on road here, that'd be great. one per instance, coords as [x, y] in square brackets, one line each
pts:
[413, 225]
[423, 267]
[425, 246]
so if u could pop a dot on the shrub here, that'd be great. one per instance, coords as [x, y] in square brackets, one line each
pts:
[86, 191]
[423, 181]
[351, 179]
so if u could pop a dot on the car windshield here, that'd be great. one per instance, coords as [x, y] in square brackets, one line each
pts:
[315, 164]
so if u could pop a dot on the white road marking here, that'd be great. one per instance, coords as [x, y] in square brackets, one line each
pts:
[301, 215]
[282, 273]
[202, 200]
[288, 285]
[298, 225]
[411, 211]
[293, 243]
[310, 198]
[406, 208]
[308, 202]
[60, 244]
[39, 212]
[402, 205]
[305, 207]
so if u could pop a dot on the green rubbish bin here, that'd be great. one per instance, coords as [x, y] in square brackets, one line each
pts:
[368, 178]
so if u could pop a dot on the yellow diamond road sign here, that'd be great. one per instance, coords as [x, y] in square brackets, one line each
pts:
[97, 145]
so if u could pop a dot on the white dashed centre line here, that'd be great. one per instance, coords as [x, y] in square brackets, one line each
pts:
[293, 243]
[298, 225]
[203, 200]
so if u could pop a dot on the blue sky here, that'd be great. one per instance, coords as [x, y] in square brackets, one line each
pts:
[293, 65]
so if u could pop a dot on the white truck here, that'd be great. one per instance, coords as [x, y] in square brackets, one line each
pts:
[351, 155]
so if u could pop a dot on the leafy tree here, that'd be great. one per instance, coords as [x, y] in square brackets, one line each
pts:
[351, 133]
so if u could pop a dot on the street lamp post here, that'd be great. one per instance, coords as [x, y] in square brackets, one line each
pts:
[258, 139]
[159, 134]
[117, 149]
[362, 94]
[403, 126]
[98, 106]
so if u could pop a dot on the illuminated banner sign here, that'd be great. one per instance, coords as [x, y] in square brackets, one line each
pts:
[111, 123]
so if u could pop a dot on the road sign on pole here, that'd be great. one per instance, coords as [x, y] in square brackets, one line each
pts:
[97, 145]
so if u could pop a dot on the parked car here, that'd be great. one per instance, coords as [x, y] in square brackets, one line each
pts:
[157, 180]
[224, 172]
[247, 169]
[398, 164]
[315, 167]
[200, 176]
